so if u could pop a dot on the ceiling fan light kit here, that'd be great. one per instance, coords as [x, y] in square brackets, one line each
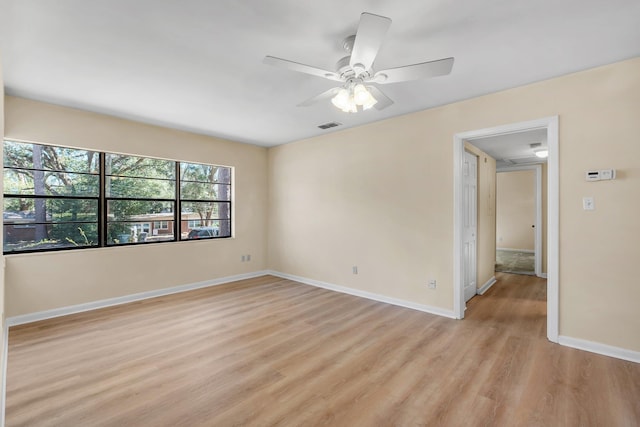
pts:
[356, 69]
[354, 97]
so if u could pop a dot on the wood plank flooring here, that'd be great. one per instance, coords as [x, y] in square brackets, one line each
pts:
[272, 352]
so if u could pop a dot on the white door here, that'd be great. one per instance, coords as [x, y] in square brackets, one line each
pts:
[470, 228]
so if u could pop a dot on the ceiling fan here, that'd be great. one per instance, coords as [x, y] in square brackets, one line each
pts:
[355, 71]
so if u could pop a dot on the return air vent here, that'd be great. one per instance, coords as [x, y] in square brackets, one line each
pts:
[329, 125]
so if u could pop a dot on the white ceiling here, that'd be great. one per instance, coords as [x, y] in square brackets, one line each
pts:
[196, 64]
[515, 148]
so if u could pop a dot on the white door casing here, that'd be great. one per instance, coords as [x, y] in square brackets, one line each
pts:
[551, 124]
[470, 225]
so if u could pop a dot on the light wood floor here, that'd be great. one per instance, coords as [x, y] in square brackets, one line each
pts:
[269, 351]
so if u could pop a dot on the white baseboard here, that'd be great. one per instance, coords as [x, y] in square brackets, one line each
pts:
[542, 275]
[364, 294]
[599, 348]
[79, 308]
[484, 288]
[529, 251]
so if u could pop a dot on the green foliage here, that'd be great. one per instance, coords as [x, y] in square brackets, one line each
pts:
[139, 167]
[86, 241]
[63, 171]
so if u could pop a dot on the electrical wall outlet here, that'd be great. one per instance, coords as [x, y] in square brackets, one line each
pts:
[354, 269]
[243, 258]
[248, 257]
[432, 284]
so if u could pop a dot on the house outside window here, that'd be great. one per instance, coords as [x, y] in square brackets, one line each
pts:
[160, 225]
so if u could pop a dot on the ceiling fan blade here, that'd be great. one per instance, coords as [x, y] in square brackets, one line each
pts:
[423, 70]
[302, 68]
[324, 95]
[383, 100]
[371, 32]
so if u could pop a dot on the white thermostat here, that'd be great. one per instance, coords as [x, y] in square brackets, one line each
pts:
[601, 175]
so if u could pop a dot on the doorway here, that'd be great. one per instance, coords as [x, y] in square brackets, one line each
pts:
[550, 126]
[519, 219]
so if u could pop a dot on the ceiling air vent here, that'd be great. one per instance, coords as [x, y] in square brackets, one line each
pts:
[329, 125]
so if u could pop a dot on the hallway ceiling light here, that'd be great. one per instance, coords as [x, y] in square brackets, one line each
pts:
[543, 153]
[539, 150]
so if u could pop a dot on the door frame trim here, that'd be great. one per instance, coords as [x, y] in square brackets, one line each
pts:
[551, 125]
[537, 246]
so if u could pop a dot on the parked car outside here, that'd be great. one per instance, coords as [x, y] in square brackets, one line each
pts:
[203, 232]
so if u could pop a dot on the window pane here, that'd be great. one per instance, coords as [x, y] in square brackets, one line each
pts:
[205, 210]
[204, 191]
[50, 183]
[140, 188]
[21, 155]
[24, 211]
[139, 210]
[207, 230]
[121, 233]
[142, 167]
[18, 154]
[197, 172]
[29, 237]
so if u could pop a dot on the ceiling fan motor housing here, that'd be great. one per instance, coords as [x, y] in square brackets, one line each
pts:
[346, 72]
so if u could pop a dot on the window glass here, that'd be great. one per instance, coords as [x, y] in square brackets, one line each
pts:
[139, 167]
[138, 191]
[140, 188]
[51, 197]
[205, 193]
[68, 198]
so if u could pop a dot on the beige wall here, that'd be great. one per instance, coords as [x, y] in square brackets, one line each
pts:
[380, 197]
[486, 242]
[42, 281]
[370, 196]
[515, 207]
